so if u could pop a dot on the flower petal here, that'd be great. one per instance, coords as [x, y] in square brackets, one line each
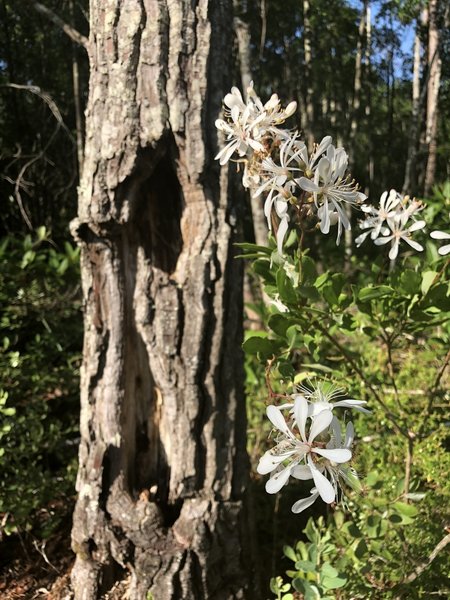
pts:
[337, 455]
[322, 484]
[268, 462]
[319, 424]
[308, 185]
[275, 416]
[305, 503]
[302, 472]
[417, 225]
[440, 235]
[413, 244]
[301, 414]
[282, 229]
[382, 240]
[349, 435]
[394, 250]
[356, 404]
[278, 480]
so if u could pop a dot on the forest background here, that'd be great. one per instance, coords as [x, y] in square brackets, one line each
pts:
[374, 75]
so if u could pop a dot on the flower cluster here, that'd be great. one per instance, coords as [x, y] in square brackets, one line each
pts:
[393, 221]
[277, 165]
[310, 445]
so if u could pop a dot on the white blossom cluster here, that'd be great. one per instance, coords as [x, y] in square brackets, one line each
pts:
[310, 445]
[278, 166]
[393, 221]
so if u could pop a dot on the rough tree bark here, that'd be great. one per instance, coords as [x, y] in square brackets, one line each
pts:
[162, 455]
[434, 78]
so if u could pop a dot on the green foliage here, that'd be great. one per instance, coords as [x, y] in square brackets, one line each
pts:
[384, 336]
[313, 575]
[40, 339]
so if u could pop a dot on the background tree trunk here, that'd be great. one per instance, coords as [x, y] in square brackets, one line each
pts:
[409, 183]
[162, 455]
[434, 79]
[309, 92]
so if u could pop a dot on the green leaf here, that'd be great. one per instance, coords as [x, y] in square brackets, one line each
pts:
[279, 324]
[321, 279]
[329, 571]
[360, 549]
[285, 288]
[310, 591]
[427, 280]
[259, 345]
[416, 496]
[373, 292]
[408, 510]
[333, 583]
[305, 565]
[409, 282]
[254, 248]
[309, 292]
[290, 553]
[309, 271]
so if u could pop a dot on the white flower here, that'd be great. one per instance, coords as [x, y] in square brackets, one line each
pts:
[378, 216]
[389, 223]
[279, 180]
[331, 189]
[292, 449]
[441, 235]
[400, 231]
[335, 470]
[246, 123]
[322, 396]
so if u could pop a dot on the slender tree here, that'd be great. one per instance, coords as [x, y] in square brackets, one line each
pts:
[434, 78]
[410, 169]
[162, 457]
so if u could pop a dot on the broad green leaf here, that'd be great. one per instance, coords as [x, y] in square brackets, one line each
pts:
[328, 570]
[427, 280]
[305, 565]
[309, 271]
[409, 282]
[259, 345]
[285, 288]
[333, 583]
[373, 292]
[290, 553]
[405, 509]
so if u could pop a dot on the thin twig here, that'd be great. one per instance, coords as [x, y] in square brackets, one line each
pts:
[426, 563]
[359, 372]
[262, 41]
[33, 89]
[408, 465]
[432, 392]
[74, 35]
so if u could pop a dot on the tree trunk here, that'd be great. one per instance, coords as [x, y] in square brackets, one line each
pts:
[348, 234]
[368, 107]
[77, 99]
[434, 67]
[309, 126]
[357, 82]
[162, 456]
[409, 182]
